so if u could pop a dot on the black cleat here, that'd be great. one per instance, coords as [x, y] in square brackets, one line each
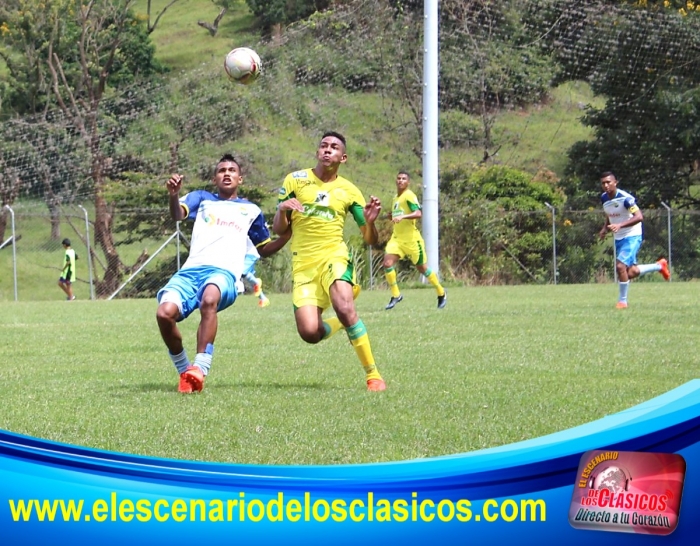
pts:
[442, 300]
[392, 302]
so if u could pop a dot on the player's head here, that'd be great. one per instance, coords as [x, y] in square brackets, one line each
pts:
[227, 174]
[608, 182]
[66, 242]
[402, 180]
[331, 151]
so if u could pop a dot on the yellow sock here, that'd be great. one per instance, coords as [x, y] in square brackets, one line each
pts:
[390, 274]
[332, 326]
[360, 341]
[432, 279]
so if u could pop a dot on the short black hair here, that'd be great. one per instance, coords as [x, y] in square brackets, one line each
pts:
[228, 158]
[66, 241]
[606, 174]
[404, 172]
[336, 135]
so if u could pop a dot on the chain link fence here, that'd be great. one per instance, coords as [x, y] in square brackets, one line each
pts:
[565, 249]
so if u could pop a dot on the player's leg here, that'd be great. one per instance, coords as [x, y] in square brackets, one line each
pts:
[391, 258]
[341, 295]
[310, 299]
[310, 324]
[420, 261]
[626, 253]
[176, 300]
[62, 284]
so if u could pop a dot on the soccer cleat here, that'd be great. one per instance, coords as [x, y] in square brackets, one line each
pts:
[665, 273]
[184, 386]
[263, 302]
[376, 385]
[621, 305]
[70, 299]
[442, 300]
[194, 376]
[393, 301]
[257, 288]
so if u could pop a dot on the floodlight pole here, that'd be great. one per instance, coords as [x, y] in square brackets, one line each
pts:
[430, 134]
[668, 210]
[554, 241]
[87, 243]
[14, 248]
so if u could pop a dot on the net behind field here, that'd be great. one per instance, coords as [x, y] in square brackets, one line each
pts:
[537, 98]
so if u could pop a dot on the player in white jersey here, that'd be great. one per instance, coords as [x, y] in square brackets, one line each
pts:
[223, 224]
[624, 218]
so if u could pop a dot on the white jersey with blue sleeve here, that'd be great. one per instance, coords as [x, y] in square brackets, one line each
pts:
[221, 230]
[620, 208]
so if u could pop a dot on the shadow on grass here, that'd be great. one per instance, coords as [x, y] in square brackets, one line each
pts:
[172, 387]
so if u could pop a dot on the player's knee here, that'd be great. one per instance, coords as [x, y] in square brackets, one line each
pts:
[166, 313]
[308, 335]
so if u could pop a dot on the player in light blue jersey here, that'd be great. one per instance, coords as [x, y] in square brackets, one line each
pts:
[223, 224]
[624, 218]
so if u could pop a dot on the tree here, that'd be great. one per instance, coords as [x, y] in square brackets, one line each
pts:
[79, 89]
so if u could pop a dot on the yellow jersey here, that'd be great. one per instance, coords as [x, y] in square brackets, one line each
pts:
[406, 203]
[317, 231]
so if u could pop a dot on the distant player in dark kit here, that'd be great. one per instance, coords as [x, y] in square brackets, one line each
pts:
[67, 278]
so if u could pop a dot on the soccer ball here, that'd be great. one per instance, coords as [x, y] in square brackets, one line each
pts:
[242, 65]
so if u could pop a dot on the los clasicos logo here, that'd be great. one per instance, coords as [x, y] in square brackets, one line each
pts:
[628, 492]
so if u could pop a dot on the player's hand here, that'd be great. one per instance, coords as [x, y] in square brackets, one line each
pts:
[372, 209]
[174, 184]
[603, 232]
[291, 204]
[397, 219]
[614, 227]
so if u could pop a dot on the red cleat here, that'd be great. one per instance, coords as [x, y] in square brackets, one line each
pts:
[621, 305]
[665, 272]
[192, 377]
[376, 385]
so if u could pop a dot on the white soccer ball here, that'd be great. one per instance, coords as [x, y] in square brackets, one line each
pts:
[242, 65]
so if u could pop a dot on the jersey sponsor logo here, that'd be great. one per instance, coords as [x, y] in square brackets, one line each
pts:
[281, 191]
[323, 198]
[314, 211]
[300, 174]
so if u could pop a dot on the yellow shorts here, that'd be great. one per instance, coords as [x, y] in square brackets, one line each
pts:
[413, 250]
[311, 285]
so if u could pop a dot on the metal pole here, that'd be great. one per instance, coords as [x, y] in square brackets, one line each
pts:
[430, 134]
[14, 248]
[177, 243]
[668, 228]
[127, 281]
[371, 269]
[554, 241]
[89, 253]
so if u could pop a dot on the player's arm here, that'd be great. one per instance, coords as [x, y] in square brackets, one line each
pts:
[269, 248]
[413, 215]
[286, 204]
[635, 219]
[604, 230]
[370, 213]
[174, 184]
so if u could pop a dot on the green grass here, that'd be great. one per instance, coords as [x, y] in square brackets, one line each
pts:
[499, 365]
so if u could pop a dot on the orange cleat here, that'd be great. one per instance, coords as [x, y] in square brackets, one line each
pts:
[376, 385]
[665, 273]
[184, 386]
[621, 305]
[194, 377]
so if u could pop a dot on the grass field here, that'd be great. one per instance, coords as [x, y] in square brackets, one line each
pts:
[499, 365]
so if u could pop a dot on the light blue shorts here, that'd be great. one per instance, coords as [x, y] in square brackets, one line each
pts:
[186, 287]
[626, 249]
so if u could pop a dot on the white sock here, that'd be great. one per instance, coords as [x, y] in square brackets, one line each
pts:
[180, 361]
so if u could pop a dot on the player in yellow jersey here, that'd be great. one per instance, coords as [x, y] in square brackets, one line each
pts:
[406, 242]
[316, 203]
